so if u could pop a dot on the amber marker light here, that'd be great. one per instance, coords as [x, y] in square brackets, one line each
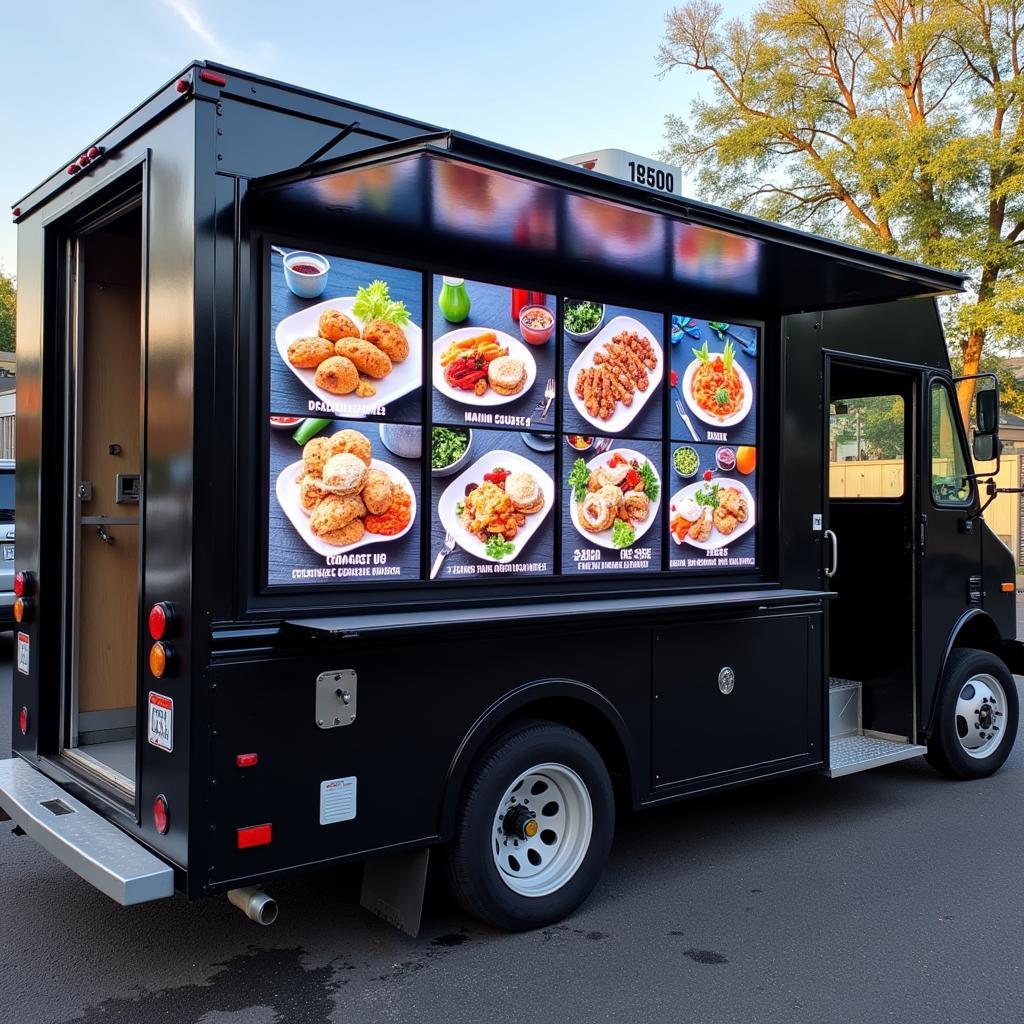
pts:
[22, 609]
[159, 659]
[1008, 588]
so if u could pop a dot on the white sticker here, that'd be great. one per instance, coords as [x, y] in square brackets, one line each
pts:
[161, 721]
[23, 653]
[337, 800]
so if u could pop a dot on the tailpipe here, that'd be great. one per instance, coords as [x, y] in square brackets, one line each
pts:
[255, 904]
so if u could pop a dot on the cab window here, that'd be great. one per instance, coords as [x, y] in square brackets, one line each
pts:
[951, 484]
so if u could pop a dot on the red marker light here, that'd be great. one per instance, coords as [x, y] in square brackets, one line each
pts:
[161, 815]
[23, 721]
[73, 168]
[246, 760]
[94, 152]
[83, 160]
[182, 85]
[254, 835]
[23, 584]
[16, 211]
[212, 77]
[161, 615]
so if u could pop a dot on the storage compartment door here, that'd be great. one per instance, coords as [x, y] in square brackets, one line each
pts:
[737, 697]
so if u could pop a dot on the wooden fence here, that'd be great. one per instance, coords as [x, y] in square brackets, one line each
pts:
[884, 478]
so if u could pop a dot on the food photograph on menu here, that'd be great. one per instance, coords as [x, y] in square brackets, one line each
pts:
[611, 505]
[344, 501]
[713, 509]
[492, 501]
[713, 381]
[347, 337]
[494, 359]
[615, 366]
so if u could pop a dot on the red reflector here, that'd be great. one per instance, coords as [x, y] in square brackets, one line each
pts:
[23, 721]
[246, 760]
[83, 161]
[161, 815]
[73, 168]
[254, 835]
[94, 151]
[16, 211]
[182, 85]
[160, 616]
[214, 79]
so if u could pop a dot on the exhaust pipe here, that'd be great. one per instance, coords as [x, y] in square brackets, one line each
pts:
[255, 904]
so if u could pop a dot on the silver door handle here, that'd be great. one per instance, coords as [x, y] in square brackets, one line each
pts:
[834, 541]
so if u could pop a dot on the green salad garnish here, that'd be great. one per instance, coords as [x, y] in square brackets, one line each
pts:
[580, 317]
[497, 547]
[374, 302]
[447, 446]
[623, 534]
[650, 479]
[579, 477]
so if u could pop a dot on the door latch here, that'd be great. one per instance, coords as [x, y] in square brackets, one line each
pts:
[922, 534]
[104, 536]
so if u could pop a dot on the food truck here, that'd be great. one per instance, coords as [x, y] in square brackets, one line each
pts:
[388, 495]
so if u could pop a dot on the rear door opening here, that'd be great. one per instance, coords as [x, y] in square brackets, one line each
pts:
[102, 543]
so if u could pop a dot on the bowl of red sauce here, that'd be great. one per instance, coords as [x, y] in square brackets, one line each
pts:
[305, 273]
[536, 324]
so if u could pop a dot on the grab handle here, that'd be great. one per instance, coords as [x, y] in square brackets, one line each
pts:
[834, 541]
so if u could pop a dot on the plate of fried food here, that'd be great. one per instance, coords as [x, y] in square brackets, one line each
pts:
[353, 364]
[615, 497]
[614, 376]
[339, 497]
[482, 366]
[711, 513]
[496, 505]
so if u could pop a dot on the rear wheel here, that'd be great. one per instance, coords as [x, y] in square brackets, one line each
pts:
[533, 829]
[976, 723]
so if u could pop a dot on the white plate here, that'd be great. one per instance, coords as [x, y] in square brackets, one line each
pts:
[716, 540]
[604, 538]
[714, 421]
[456, 492]
[623, 415]
[288, 498]
[405, 377]
[516, 350]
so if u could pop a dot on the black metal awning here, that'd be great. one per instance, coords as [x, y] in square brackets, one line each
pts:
[458, 202]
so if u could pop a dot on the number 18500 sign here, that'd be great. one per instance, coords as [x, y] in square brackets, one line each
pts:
[652, 177]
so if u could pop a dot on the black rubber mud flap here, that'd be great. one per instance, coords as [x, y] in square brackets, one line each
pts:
[393, 889]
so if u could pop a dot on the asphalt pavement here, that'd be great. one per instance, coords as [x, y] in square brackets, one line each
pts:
[889, 895]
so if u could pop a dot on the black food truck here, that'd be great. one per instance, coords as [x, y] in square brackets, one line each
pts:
[381, 489]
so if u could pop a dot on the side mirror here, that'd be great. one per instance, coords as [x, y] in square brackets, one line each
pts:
[986, 411]
[986, 447]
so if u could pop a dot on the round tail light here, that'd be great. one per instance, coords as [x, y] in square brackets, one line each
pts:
[23, 583]
[161, 815]
[23, 721]
[159, 659]
[160, 618]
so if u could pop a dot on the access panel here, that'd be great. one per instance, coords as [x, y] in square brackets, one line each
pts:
[739, 697]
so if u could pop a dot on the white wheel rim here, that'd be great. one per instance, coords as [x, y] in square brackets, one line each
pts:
[980, 715]
[556, 798]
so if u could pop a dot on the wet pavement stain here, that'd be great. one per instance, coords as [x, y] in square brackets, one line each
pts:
[705, 956]
[452, 939]
[272, 979]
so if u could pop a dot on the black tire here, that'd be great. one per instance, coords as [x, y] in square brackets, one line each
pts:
[472, 874]
[945, 751]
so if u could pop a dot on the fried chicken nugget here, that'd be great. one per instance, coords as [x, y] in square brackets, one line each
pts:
[367, 357]
[389, 338]
[378, 492]
[348, 534]
[353, 441]
[335, 325]
[314, 454]
[337, 375]
[311, 493]
[309, 353]
[334, 513]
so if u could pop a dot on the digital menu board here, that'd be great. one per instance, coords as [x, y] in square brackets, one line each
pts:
[501, 432]
[713, 397]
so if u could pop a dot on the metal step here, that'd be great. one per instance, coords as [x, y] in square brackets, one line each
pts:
[80, 838]
[849, 754]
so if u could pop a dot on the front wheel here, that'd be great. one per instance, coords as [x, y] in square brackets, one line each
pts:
[976, 721]
[533, 829]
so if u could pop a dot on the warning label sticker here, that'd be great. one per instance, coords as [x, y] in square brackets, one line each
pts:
[161, 721]
[23, 645]
[337, 800]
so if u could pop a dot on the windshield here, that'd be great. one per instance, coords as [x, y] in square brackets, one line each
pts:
[6, 496]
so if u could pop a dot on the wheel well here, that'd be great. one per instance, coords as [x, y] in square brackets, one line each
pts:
[979, 632]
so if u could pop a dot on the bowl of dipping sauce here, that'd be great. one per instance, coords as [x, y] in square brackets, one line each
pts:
[580, 442]
[725, 459]
[536, 324]
[305, 273]
[285, 422]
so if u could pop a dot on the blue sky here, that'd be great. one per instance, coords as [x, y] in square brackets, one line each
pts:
[555, 77]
